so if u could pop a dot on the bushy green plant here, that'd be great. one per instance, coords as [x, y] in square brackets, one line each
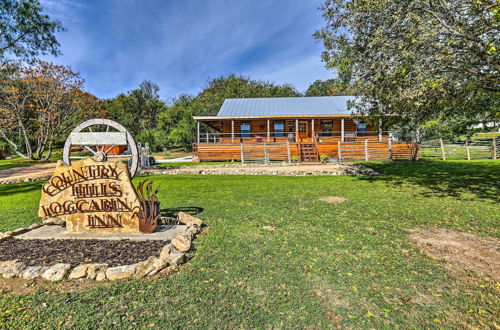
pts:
[323, 158]
[295, 159]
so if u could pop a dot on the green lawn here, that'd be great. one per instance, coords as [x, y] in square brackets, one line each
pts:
[326, 265]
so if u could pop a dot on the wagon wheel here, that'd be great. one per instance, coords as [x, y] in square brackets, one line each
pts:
[99, 139]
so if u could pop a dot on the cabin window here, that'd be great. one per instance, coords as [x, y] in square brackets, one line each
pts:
[361, 129]
[326, 128]
[279, 129]
[245, 130]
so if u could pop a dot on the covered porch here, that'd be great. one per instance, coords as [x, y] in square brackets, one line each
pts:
[299, 138]
[299, 129]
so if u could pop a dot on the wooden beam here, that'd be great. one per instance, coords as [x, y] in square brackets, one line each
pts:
[312, 130]
[268, 131]
[232, 131]
[380, 128]
[296, 130]
[198, 132]
[342, 135]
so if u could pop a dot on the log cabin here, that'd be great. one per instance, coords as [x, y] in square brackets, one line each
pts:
[305, 129]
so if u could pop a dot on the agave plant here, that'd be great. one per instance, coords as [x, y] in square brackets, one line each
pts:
[149, 212]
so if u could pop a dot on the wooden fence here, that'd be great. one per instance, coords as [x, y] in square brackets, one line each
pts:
[289, 151]
[461, 149]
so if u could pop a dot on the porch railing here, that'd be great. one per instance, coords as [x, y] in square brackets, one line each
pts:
[280, 137]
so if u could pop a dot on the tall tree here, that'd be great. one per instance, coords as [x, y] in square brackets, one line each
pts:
[137, 110]
[25, 32]
[419, 60]
[40, 103]
[329, 87]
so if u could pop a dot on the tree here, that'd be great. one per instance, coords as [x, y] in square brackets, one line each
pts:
[40, 103]
[137, 110]
[330, 87]
[177, 120]
[419, 60]
[25, 32]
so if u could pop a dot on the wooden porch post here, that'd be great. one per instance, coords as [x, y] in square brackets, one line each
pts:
[296, 130]
[198, 132]
[268, 130]
[312, 130]
[232, 131]
[380, 128]
[207, 135]
[342, 137]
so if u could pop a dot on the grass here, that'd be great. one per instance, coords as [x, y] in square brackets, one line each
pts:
[325, 265]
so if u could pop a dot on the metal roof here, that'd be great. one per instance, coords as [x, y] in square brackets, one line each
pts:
[286, 106]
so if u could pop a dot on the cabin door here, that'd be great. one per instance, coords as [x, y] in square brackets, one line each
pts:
[303, 130]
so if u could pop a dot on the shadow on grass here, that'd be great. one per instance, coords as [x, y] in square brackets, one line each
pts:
[18, 188]
[443, 178]
[172, 212]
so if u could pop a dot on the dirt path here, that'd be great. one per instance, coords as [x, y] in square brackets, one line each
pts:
[30, 173]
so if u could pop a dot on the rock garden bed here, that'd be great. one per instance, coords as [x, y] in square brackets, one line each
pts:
[99, 260]
[50, 252]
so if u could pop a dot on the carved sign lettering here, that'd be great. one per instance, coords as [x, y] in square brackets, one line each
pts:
[91, 196]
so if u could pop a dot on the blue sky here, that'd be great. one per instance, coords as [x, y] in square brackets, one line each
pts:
[182, 44]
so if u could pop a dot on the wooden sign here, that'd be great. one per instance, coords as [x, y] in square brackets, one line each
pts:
[92, 196]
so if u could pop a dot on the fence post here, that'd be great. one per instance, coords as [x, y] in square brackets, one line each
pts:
[390, 148]
[494, 148]
[339, 152]
[242, 154]
[467, 148]
[443, 156]
[366, 149]
[288, 151]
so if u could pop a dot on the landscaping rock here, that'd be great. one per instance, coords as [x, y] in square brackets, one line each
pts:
[56, 272]
[54, 221]
[170, 255]
[95, 269]
[13, 269]
[100, 277]
[146, 267]
[183, 244]
[33, 272]
[79, 271]
[120, 272]
[19, 231]
[188, 219]
[4, 264]
[193, 230]
[35, 226]
[8, 233]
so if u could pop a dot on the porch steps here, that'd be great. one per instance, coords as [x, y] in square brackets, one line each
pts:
[308, 152]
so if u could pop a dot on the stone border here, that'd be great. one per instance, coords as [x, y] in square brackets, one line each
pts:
[266, 169]
[35, 178]
[172, 255]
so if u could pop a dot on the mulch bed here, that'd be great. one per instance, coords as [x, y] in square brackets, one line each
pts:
[75, 252]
